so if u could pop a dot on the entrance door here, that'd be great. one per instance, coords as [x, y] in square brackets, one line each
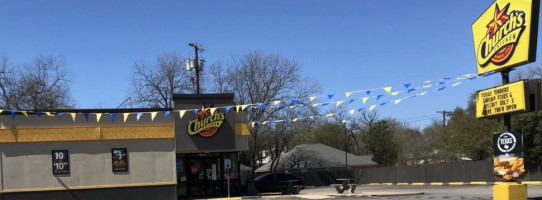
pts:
[205, 177]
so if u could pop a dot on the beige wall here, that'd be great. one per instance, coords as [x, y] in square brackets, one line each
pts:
[28, 166]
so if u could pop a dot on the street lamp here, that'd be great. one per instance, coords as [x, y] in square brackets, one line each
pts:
[345, 147]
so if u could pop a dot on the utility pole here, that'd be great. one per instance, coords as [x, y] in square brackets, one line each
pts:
[444, 116]
[197, 49]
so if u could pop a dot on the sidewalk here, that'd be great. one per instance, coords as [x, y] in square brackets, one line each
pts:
[326, 192]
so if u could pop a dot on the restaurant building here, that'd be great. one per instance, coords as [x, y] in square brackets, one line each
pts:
[185, 152]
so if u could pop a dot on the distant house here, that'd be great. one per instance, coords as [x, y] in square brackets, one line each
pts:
[317, 156]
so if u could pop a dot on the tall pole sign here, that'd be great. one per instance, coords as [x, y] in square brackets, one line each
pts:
[505, 37]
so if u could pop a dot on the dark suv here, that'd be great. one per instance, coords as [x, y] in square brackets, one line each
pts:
[276, 182]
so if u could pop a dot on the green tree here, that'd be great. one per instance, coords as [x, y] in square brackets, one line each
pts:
[380, 140]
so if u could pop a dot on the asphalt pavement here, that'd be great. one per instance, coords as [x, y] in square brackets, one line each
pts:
[451, 192]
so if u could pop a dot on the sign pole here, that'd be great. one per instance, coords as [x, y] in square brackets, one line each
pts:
[506, 118]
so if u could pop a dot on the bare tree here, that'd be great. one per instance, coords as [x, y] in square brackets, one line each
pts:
[258, 78]
[153, 85]
[39, 85]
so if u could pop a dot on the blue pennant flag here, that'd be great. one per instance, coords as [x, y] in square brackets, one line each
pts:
[304, 106]
[259, 123]
[340, 113]
[488, 73]
[368, 92]
[86, 116]
[379, 96]
[325, 104]
[167, 113]
[248, 110]
[410, 90]
[302, 119]
[383, 103]
[196, 111]
[272, 122]
[294, 101]
[351, 100]
[286, 121]
[440, 83]
[260, 106]
[228, 109]
[442, 88]
[38, 114]
[60, 114]
[113, 115]
[406, 85]
[471, 78]
[359, 110]
[13, 114]
[330, 96]
[446, 78]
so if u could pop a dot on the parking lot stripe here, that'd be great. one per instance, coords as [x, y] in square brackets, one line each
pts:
[456, 183]
[418, 183]
[402, 183]
[532, 182]
[437, 183]
[478, 183]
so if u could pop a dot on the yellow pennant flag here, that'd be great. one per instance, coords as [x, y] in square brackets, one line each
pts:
[292, 107]
[398, 100]
[153, 115]
[295, 120]
[388, 89]
[237, 108]
[372, 107]
[98, 116]
[73, 116]
[125, 116]
[426, 86]
[352, 111]
[212, 110]
[459, 78]
[243, 107]
[423, 93]
[314, 105]
[365, 99]
[253, 123]
[348, 94]
[25, 113]
[181, 113]
[264, 122]
[1, 111]
[277, 102]
[312, 98]
[394, 93]
[456, 84]
[339, 103]
[49, 114]
[329, 115]
[278, 121]
[312, 117]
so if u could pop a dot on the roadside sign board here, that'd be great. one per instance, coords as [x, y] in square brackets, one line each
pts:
[508, 163]
[119, 159]
[505, 35]
[504, 99]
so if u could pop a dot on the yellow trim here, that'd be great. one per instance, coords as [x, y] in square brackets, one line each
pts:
[386, 183]
[437, 183]
[138, 132]
[241, 129]
[88, 187]
[478, 183]
[456, 183]
[531, 182]
[418, 183]
[86, 133]
[402, 183]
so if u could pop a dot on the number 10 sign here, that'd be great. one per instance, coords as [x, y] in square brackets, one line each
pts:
[61, 162]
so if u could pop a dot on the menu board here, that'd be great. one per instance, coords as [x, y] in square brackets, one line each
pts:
[508, 163]
[61, 162]
[119, 159]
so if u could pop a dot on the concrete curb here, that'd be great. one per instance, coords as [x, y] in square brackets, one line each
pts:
[454, 183]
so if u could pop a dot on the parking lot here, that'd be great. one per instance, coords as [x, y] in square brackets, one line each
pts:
[405, 192]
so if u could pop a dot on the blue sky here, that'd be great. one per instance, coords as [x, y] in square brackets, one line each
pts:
[346, 45]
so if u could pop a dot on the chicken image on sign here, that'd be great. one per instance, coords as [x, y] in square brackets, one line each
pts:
[505, 99]
[505, 35]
